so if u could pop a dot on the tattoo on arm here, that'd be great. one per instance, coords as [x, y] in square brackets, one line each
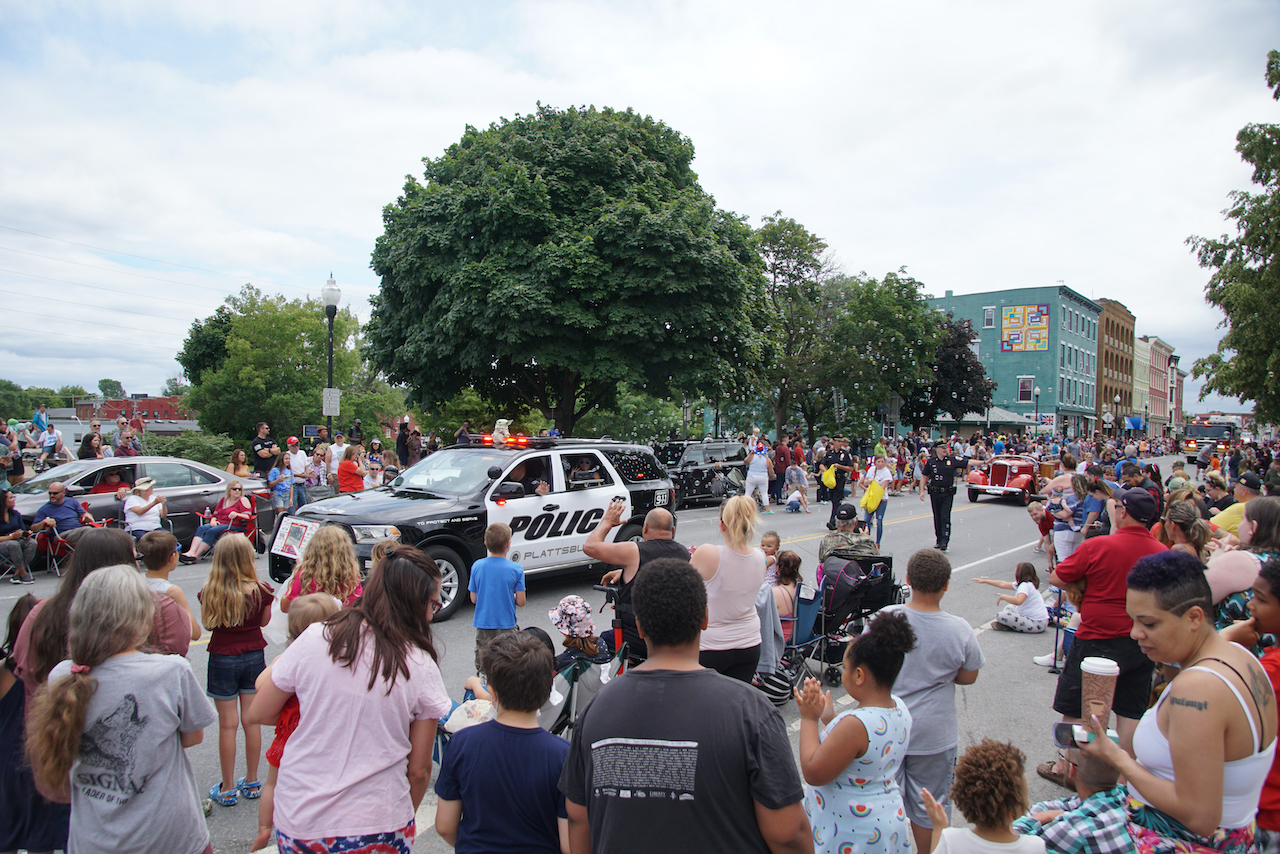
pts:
[1198, 705]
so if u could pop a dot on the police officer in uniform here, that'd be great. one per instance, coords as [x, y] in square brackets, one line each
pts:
[939, 475]
[838, 458]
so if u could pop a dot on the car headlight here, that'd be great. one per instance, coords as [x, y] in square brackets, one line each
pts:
[369, 534]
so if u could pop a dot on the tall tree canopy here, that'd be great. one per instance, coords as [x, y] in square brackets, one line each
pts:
[960, 384]
[1246, 280]
[276, 365]
[551, 257]
[795, 313]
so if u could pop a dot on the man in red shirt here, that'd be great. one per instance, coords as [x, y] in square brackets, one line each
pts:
[1103, 563]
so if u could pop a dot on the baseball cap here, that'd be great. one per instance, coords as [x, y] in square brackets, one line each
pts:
[1139, 504]
[846, 512]
[1250, 481]
[293, 440]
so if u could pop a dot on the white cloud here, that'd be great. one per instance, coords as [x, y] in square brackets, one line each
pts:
[982, 145]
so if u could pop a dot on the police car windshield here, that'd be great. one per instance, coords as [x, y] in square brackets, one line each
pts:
[455, 472]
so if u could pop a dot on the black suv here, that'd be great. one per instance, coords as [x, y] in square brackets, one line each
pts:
[443, 504]
[701, 462]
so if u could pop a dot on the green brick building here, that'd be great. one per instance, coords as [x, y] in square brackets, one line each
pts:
[1029, 338]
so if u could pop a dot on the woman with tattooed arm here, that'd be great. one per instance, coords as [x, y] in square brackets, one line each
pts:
[1202, 752]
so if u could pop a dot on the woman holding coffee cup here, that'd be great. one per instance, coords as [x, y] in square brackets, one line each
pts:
[1202, 752]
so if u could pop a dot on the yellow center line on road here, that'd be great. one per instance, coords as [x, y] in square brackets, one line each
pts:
[889, 522]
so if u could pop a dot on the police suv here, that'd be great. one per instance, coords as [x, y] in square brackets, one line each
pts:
[552, 492]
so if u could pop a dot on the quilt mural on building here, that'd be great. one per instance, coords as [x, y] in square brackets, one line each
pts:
[1023, 328]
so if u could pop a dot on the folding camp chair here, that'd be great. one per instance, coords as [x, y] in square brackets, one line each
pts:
[804, 634]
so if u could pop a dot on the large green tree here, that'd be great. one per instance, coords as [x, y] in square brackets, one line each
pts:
[205, 348]
[795, 313]
[960, 384]
[551, 257]
[882, 344]
[1245, 283]
[276, 365]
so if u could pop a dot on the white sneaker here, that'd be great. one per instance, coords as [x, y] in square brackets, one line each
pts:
[1047, 661]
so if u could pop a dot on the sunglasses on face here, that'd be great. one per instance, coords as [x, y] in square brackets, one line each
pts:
[237, 489]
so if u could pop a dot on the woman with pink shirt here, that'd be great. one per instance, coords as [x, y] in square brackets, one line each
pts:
[371, 671]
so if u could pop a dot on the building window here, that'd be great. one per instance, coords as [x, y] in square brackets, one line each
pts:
[989, 317]
[1064, 316]
[1062, 357]
[1026, 387]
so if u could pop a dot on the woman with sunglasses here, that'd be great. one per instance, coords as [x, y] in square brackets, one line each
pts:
[232, 510]
[371, 669]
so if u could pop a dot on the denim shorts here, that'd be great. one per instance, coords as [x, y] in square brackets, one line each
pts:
[278, 501]
[232, 675]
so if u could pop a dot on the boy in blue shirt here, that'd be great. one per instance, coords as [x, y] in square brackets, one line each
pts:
[497, 589]
[498, 784]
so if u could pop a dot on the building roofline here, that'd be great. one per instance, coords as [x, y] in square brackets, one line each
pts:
[1062, 290]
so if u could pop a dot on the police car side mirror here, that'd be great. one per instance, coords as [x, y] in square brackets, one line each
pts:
[76, 491]
[509, 490]
[399, 481]
[494, 472]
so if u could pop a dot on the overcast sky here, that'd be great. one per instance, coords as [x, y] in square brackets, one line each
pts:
[155, 156]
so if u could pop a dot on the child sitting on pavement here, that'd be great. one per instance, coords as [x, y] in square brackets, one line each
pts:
[1023, 610]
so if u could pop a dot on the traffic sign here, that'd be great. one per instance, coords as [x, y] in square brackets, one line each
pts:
[329, 402]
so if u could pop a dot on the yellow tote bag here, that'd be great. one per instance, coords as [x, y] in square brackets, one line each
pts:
[829, 477]
[872, 497]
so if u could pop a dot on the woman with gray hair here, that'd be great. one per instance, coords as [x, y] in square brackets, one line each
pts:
[111, 726]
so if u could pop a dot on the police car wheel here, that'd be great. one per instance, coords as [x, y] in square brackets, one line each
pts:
[453, 580]
[633, 533]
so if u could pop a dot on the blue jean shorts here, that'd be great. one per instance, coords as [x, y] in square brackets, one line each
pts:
[232, 675]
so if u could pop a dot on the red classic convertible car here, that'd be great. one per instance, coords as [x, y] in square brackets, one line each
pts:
[1007, 474]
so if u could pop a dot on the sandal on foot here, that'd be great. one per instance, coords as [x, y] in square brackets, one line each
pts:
[224, 799]
[1045, 770]
[251, 791]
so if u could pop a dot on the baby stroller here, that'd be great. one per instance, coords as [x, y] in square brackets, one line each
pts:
[853, 587]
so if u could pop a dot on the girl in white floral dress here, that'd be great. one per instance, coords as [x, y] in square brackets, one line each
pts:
[851, 793]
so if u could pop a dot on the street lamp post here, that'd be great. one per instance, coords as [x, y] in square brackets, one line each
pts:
[330, 295]
[1116, 401]
[1037, 394]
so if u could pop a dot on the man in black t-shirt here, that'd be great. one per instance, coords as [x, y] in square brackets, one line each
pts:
[839, 458]
[671, 756]
[658, 531]
[264, 451]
